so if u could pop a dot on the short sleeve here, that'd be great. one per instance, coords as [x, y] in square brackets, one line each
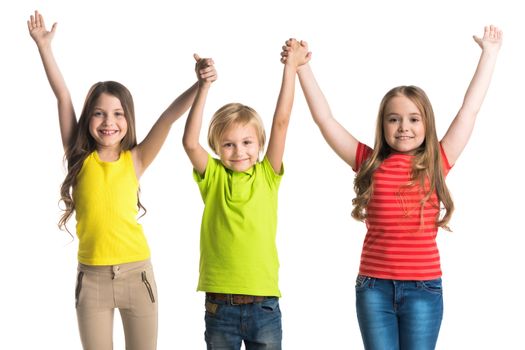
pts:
[273, 177]
[361, 155]
[444, 160]
[203, 181]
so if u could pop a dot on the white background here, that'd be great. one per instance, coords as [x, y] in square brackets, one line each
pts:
[360, 50]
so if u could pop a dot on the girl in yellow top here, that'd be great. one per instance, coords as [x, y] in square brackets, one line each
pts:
[104, 164]
[238, 261]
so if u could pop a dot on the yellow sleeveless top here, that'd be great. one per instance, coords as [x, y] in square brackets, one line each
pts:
[106, 208]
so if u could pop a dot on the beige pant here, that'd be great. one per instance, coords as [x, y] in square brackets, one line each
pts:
[130, 288]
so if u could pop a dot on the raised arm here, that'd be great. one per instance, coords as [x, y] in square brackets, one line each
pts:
[66, 113]
[297, 55]
[461, 127]
[148, 149]
[339, 139]
[206, 74]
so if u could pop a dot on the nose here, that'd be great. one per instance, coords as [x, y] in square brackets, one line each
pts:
[108, 120]
[402, 126]
[236, 151]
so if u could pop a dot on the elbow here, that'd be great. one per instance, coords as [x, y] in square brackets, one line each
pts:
[282, 123]
[189, 145]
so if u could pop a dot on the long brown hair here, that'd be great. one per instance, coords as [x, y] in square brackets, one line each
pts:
[83, 144]
[427, 163]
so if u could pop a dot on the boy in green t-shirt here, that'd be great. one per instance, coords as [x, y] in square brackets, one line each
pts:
[238, 263]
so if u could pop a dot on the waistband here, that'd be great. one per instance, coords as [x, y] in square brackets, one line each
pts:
[113, 270]
[235, 299]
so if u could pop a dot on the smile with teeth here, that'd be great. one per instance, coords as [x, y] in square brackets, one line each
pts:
[403, 138]
[108, 132]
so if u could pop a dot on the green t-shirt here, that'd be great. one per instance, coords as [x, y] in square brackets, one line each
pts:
[239, 224]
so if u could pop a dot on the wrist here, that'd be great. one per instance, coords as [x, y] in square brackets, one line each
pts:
[204, 85]
[43, 46]
[302, 67]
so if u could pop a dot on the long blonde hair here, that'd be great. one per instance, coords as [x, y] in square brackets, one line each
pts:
[83, 144]
[427, 163]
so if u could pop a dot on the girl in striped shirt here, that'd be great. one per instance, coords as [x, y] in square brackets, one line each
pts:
[402, 197]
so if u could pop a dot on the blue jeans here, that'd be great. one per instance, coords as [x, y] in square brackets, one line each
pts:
[396, 314]
[257, 324]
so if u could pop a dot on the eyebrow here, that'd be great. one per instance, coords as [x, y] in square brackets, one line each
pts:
[102, 109]
[398, 115]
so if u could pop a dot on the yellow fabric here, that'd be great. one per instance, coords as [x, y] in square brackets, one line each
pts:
[106, 208]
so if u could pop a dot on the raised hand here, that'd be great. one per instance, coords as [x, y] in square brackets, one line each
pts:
[38, 31]
[295, 53]
[492, 38]
[205, 69]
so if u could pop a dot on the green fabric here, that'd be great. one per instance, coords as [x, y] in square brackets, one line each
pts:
[239, 224]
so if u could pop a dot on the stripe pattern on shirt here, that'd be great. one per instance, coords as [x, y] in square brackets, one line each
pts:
[401, 239]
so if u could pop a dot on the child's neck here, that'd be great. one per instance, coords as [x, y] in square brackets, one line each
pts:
[108, 154]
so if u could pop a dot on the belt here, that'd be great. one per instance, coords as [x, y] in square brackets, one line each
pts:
[235, 299]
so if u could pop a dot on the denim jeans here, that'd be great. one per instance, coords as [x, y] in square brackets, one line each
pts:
[257, 324]
[400, 315]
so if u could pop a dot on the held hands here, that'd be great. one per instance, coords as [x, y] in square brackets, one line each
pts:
[295, 53]
[492, 38]
[38, 31]
[205, 69]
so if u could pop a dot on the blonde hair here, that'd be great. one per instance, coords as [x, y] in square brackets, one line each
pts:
[232, 114]
[427, 163]
[83, 144]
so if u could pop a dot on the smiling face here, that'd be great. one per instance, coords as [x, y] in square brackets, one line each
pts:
[239, 147]
[403, 125]
[108, 124]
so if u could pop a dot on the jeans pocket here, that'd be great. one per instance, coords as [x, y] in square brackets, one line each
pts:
[148, 286]
[78, 287]
[270, 304]
[362, 282]
[211, 308]
[432, 286]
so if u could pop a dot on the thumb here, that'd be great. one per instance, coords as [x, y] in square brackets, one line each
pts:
[53, 27]
[197, 57]
[477, 40]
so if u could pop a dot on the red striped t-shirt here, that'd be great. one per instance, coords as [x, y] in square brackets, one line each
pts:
[398, 244]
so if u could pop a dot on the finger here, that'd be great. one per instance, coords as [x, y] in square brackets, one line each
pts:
[53, 27]
[196, 57]
[34, 19]
[40, 21]
[477, 40]
[487, 31]
[208, 75]
[205, 70]
[304, 44]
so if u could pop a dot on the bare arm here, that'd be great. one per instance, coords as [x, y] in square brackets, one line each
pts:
[297, 54]
[66, 113]
[148, 149]
[190, 140]
[339, 139]
[461, 127]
